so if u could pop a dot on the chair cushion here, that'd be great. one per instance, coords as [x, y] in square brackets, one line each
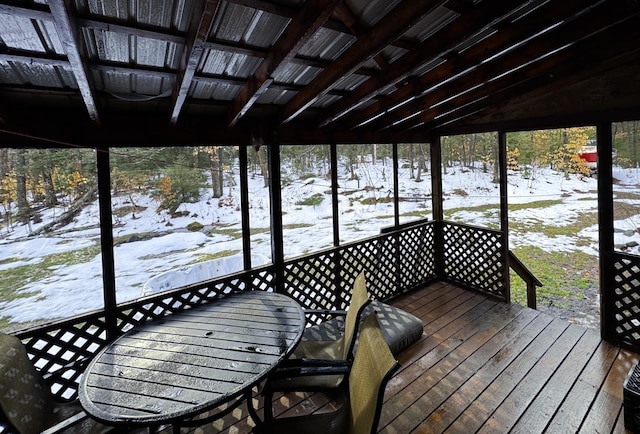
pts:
[400, 328]
[23, 392]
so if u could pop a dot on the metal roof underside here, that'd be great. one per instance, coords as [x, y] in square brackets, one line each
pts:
[145, 72]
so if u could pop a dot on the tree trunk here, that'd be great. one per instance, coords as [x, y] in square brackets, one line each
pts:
[634, 143]
[411, 174]
[24, 211]
[216, 171]
[264, 167]
[5, 166]
[421, 164]
[50, 198]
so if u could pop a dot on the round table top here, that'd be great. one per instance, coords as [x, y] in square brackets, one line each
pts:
[189, 362]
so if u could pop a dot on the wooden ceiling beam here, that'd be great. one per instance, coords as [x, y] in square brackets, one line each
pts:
[506, 37]
[139, 30]
[287, 11]
[202, 18]
[388, 29]
[33, 57]
[563, 76]
[118, 68]
[439, 45]
[441, 98]
[248, 50]
[554, 71]
[68, 33]
[34, 12]
[312, 16]
[345, 15]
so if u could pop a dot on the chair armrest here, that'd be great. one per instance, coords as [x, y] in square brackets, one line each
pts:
[307, 367]
[69, 422]
[325, 312]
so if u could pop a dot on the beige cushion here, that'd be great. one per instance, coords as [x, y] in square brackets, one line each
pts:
[399, 328]
[24, 396]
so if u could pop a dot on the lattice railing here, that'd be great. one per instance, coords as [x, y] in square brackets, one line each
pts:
[475, 257]
[622, 303]
[394, 263]
[61, 350]
[417, 255]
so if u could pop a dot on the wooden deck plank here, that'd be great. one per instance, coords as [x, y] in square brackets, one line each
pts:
[608, 403]
[538, 414]
[505, 350]
[488, 367]
[510, 410]
[440, 360]
[414, 361]
[491, 397]
[576, 405]
[446, 379]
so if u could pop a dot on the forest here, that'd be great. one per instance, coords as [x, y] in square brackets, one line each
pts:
[34, 179]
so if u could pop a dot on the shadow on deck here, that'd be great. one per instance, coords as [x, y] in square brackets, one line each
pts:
[486, 366]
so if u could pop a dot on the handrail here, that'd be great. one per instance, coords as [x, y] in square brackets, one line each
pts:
[526, 275]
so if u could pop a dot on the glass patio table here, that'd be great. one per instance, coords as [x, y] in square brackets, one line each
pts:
[171, 369]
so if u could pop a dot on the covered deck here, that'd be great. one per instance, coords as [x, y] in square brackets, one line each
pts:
[487, 366]
[253, 75]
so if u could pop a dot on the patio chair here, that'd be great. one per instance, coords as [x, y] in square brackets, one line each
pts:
[26, 404]
[372, 367]
[320, 351]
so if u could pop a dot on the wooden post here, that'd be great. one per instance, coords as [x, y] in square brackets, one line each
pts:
[504, 222]
[605, 229]
[244, 207]
[106, 241]
[275, 199]
[436, 200]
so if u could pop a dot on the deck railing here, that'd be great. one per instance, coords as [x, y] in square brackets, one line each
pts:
[529, 279]
[395, 261]
[474, 257]
[621, 298]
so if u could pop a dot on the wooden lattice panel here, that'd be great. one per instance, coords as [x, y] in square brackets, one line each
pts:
[60, 351]
[354, 259]
[417, 256]
[625, 299]
[383, 275]
[64, 349]
[392, 262]
[312, 281]
[474, 257]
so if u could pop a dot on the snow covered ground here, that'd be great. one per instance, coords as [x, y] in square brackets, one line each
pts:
[151, 243]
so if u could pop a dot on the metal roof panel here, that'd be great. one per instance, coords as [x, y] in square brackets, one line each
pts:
[19, 33]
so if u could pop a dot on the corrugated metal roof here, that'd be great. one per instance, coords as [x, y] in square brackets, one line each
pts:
[136, 51]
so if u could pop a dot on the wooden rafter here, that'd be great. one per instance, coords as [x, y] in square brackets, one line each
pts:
[388, 29]
[247, 50]
[34, 13]
[439, 45]
[552, 73]
[288, 11]
[299, 30]
[346, 16]
[505, 38]
[203, 14]
[510, 68]
[118, 68]
[64, 19]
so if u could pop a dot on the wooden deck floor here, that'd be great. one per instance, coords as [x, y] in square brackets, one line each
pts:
[485, 366]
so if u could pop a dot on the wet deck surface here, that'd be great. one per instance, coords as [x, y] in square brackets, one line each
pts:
[485, 366]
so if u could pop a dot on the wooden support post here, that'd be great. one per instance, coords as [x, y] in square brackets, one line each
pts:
[504, 223]
[275, 196]
[106, 241]
[244, 207]
[438, 214]
[605, 229]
